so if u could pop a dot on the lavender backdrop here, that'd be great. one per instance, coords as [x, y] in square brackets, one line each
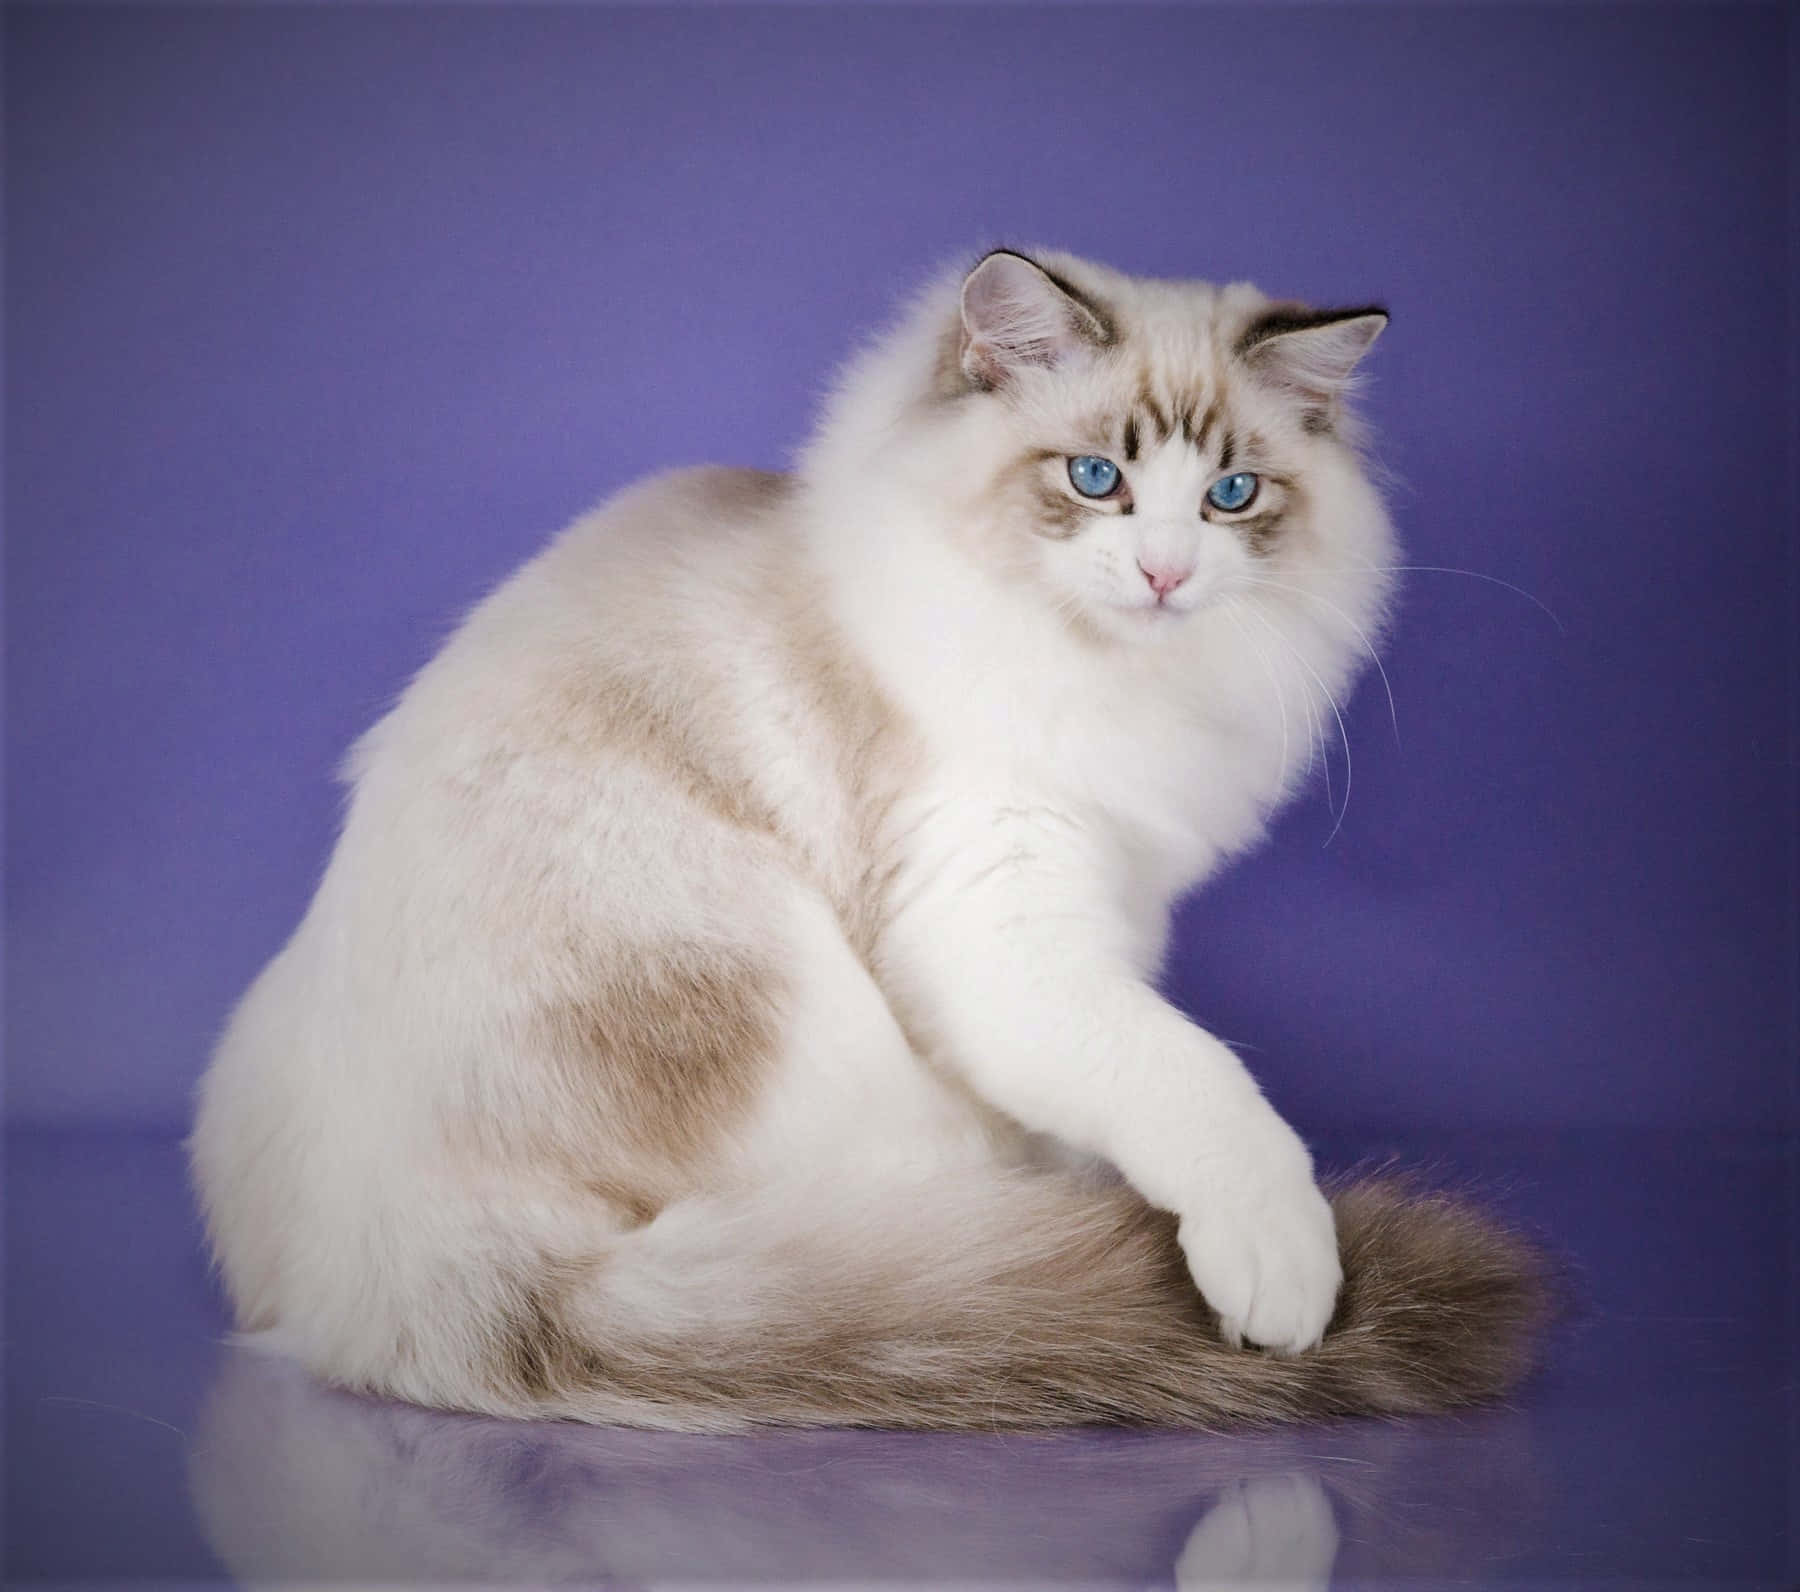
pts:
[319, 320]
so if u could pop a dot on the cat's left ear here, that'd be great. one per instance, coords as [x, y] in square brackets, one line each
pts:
[1307, 353]
[1016, 314]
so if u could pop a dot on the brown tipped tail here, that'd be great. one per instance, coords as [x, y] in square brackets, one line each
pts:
[1442, 1305]
[1031, 1302]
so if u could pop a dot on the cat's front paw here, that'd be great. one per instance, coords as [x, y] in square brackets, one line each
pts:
[1265, 1257]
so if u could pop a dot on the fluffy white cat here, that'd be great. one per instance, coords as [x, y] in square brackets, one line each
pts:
[730, 998]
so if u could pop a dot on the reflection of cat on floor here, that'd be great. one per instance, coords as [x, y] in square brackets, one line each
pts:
[1274, 1531]
[295, 1482]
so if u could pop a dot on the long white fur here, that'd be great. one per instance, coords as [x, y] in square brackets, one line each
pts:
[1086, 755]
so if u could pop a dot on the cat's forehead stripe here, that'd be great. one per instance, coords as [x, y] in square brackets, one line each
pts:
[1207, 421]
[1153, 412]
[1158, 419]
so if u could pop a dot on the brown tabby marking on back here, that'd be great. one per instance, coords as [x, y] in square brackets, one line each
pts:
[671, 1048]
[662, 1054]
[661, 1049]
[870, 749]
[742, 492]
[633, 1206]
[874, 753]
[658, 1051]
[632, 718]
[666, 716]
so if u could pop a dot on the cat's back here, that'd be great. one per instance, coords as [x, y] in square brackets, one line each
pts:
[668, 667]
[690, 544]
[675, 563]
[634, 622]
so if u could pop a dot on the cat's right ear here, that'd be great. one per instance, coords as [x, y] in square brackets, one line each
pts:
[1016, 314]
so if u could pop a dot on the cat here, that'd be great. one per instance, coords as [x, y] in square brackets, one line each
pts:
[729, 999]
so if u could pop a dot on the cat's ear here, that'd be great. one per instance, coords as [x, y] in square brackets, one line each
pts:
[1015, 314]
[1309, 354]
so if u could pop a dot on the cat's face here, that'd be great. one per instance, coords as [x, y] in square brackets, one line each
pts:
[1165, 444]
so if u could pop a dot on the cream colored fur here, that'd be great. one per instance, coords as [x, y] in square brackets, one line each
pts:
[775, 848]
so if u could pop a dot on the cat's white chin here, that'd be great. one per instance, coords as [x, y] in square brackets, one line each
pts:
[1158, 617]
[1148, 622]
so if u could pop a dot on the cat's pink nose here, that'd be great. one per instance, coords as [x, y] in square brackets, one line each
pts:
[1164, 578]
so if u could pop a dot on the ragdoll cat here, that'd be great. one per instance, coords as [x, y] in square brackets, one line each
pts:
[729, 999]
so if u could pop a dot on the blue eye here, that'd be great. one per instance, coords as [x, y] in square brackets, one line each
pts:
[1233, 492]
[1093, 476]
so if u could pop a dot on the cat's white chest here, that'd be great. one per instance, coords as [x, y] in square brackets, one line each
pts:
[1149, 746]
[1157, 787]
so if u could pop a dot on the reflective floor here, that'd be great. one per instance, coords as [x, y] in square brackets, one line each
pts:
[1656, 1448]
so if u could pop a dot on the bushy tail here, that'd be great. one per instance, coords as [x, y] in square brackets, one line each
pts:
[1036, 1302]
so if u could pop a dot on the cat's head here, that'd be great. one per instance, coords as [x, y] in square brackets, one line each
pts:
[1136, 450]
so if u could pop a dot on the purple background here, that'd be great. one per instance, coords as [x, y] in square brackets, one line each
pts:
[319, 321]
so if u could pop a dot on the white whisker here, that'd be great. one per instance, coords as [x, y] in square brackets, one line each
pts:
[1315, 723]
[1337, 713]
[1447, 569]
[1274, 681]
[1361, 635]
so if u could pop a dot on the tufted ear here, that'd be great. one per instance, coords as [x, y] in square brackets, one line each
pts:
[1309, 353]
[1015, 313]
